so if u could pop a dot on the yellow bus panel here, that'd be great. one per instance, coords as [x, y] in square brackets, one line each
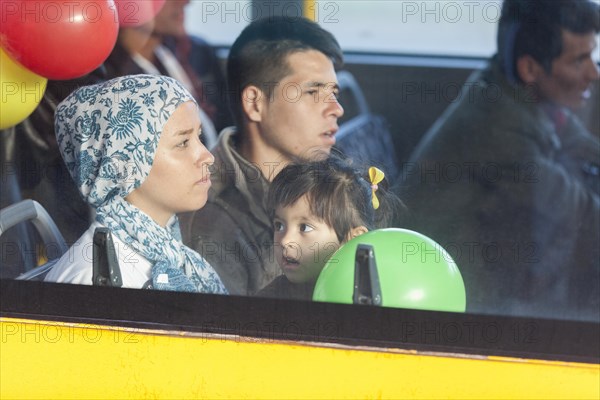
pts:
[42, 359]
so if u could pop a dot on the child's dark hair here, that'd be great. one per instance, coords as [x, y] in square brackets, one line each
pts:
[337, 194]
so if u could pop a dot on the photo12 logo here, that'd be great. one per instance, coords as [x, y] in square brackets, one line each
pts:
[73, 12]
[451, 11]
[325, 12]
[55, 332]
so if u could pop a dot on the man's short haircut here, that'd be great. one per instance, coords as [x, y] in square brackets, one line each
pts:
[259, 55]
[534, 27]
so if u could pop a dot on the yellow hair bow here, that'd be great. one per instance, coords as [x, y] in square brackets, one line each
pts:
[375, 175]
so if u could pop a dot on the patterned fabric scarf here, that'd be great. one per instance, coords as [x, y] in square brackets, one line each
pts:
[108, 134]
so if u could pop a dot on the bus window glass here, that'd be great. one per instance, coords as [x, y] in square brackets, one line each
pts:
[410, 96]
[449, 28]
[218, 22]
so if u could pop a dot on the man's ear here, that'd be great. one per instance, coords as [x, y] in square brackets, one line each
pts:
[357, 231]
[529, 69]
[253, 103]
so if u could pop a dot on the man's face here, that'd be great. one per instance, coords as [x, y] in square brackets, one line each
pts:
[300, 118]
[569, 81]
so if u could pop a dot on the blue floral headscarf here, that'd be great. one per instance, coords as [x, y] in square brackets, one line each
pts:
[108, 134]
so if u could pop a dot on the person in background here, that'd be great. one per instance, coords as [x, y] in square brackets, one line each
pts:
[508, 178]
[125, 143]
[283, 92]
[162, 46]
[316, 208]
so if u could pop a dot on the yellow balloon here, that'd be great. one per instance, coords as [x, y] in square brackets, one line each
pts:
[20, 91]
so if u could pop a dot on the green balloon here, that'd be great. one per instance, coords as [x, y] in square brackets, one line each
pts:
[414, 272]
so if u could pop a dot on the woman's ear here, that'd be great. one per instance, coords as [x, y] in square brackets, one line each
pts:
[252, 102]
[529, 69]
[357, 231]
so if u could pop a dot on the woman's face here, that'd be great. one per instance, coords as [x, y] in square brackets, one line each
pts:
[179, 179]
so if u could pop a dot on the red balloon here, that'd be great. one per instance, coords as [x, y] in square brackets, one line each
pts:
[59, 39]
[137, 12]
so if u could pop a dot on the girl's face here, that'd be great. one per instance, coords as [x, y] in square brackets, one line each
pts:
[179, 179]
[304, 243]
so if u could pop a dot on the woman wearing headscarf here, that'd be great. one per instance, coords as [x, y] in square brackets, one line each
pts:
[132, 146]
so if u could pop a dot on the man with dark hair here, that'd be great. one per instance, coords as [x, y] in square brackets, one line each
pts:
[283, 93]
[508, 178]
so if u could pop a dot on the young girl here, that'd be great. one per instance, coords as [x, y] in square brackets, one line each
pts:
[132, 146]
[319, 206]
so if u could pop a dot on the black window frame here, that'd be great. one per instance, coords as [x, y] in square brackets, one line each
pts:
[315, 323]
